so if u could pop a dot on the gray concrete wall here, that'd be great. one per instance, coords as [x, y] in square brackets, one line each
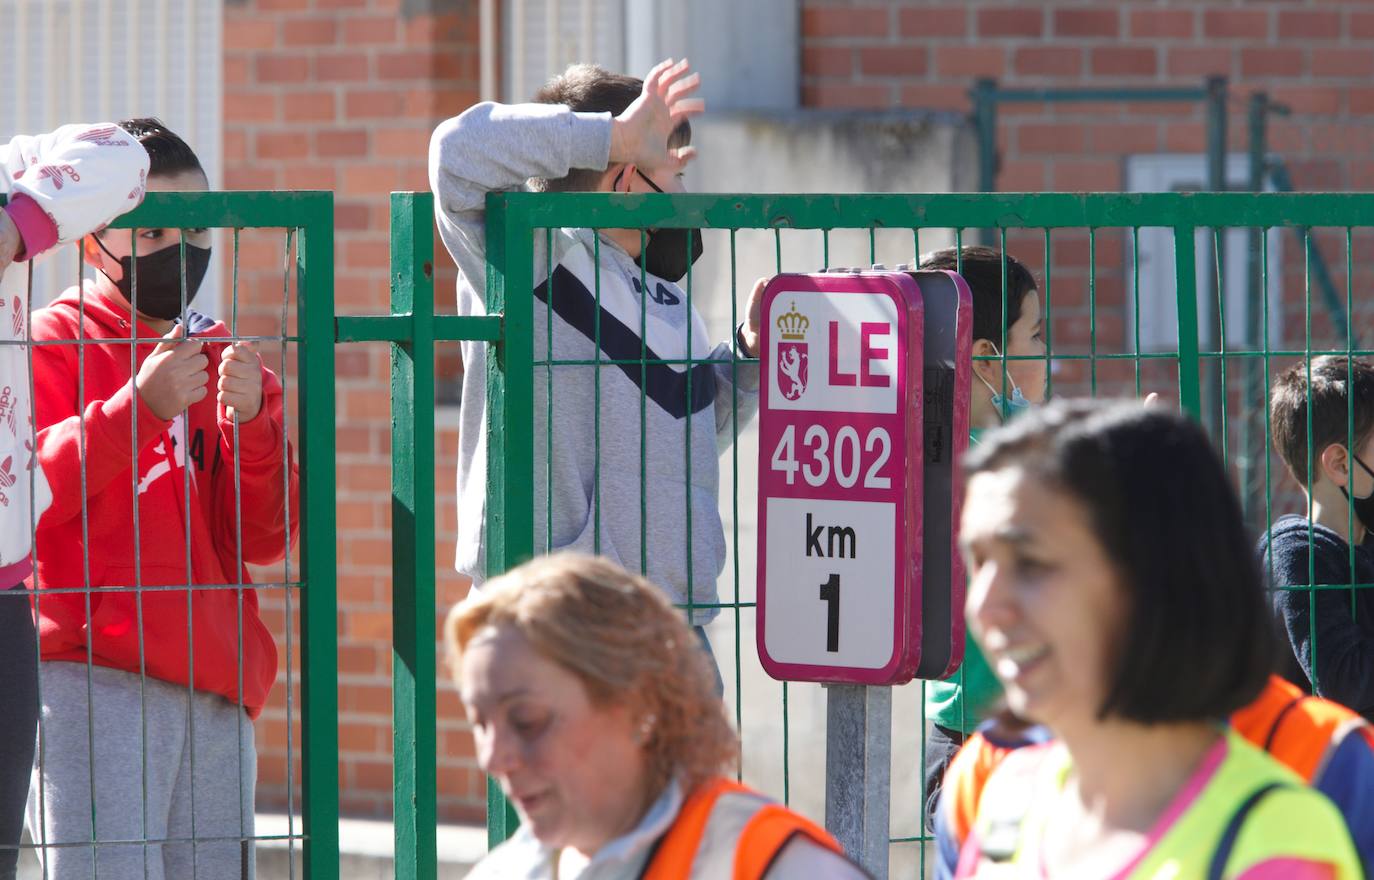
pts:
[809, 153]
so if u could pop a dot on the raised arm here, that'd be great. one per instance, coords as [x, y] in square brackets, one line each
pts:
[69, 182]
[496, 148]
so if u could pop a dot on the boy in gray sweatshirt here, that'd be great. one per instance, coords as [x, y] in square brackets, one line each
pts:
[665, 403]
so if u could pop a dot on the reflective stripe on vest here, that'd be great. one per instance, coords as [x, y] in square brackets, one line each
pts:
[722, 810]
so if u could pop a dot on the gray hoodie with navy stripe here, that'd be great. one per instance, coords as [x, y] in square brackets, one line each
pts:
[662, 423]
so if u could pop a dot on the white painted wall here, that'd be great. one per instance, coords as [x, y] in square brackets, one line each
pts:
[103, 60]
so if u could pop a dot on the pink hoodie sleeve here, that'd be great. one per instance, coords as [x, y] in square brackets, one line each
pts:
[36, 228]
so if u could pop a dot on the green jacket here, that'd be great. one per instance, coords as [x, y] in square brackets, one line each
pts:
[963, 701]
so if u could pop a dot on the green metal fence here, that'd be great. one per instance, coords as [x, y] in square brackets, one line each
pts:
[413, 329]
[1107, 362]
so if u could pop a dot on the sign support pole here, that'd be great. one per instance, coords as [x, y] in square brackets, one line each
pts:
[858, 764]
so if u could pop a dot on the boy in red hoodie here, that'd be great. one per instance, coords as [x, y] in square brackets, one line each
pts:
[168, 678]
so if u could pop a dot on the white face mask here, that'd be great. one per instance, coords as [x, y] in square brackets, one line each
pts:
[1008, 406]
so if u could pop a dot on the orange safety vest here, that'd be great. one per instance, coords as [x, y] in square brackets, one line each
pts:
[1300, 730]
[766, 828]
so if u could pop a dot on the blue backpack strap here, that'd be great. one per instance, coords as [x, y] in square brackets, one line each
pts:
[1279, 719]
[1227, 843]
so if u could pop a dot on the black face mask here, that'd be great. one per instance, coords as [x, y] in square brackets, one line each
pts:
[159, 279]
[1364, 507]
[668, 252]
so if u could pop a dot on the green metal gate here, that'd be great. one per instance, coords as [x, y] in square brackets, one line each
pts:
[515, 219]
[305, 221]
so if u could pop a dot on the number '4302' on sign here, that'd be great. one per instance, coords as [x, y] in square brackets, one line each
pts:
[841, 477]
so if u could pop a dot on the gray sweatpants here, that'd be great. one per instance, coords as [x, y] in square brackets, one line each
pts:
[189, 796]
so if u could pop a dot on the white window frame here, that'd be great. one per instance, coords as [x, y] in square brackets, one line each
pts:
[542, 37]
[749, 53]
[170, 64]
[1170, 172]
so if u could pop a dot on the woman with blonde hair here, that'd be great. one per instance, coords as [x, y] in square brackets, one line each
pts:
[592, 704]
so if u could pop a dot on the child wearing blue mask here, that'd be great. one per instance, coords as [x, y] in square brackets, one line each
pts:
[1005, 387]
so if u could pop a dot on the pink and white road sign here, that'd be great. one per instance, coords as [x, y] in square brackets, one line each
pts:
[840, 477]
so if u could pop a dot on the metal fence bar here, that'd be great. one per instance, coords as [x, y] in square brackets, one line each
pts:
[319, 599]
[1185, 279]
[386, 328]
[413, 329]
[510, 418]
[1213, 374]
[940, 210]
[1071, 96]
[986, 94]
[412, 540]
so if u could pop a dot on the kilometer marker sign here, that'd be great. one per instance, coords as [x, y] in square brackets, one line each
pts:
[863, 416]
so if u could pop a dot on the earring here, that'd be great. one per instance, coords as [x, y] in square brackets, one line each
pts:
[646, 728]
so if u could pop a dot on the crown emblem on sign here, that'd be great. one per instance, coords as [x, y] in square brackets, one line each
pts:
[793, 324]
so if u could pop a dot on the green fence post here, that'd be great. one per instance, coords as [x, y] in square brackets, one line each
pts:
[984, 94]
[1214, 395]
[412, 539]
[1278, 174]
[1253, 443]
[319, 599]
[1189, 357]
[510, 420]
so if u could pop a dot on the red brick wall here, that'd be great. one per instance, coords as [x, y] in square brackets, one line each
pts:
[1317, 56]
[342, 95]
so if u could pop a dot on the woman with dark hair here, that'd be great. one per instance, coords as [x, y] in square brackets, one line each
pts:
[1113, 589]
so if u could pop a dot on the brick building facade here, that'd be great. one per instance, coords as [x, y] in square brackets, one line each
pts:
[343, 94]
[1314, 56]
[1317, 57]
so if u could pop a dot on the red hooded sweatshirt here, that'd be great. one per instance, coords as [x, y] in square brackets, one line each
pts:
[105, 406]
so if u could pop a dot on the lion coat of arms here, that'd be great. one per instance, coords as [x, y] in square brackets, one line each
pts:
[792, 354]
